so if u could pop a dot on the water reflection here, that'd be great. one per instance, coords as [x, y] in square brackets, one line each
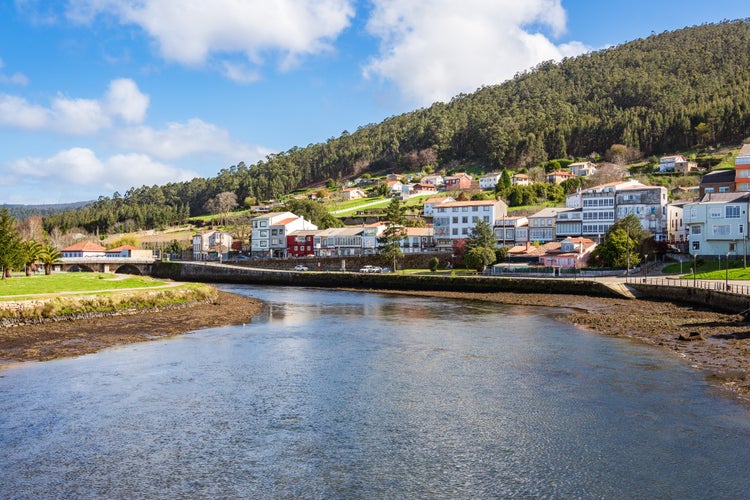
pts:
[345, 394]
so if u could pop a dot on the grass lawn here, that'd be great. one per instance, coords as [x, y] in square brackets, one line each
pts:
[710, 270]
[72, 282]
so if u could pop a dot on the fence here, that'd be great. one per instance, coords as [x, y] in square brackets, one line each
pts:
[721, 286]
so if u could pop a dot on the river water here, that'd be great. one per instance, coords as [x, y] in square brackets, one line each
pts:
[333, 394]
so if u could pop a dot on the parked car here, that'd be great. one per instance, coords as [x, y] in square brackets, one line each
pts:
[300, 267]
[370, 269]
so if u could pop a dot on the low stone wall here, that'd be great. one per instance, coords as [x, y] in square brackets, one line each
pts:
[713, 299]
[347, 263]
[391, 281]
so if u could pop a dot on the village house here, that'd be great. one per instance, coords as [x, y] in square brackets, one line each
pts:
[129, 252]
[489, 181]
[718, 181]
[717, 224]
[268, 236]
[511, 231]
[434, 179]
[573, 253]
[582, 169]
[395, 188]
[742, 169]
[558, 177]
[84, 249]
[418, 240]
[542, 224]
[211, 245]
[455, 220]
[676, 163]
[459, 182]
[431, 203]
[648, 204]
[521, 180]
[353, 193]
[569, 222]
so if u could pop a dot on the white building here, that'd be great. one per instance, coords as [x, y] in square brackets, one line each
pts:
[582, 169]
[269, 231]
[489, 181]
[598, 204]
[455, 220]
[431, 203]
[211, 245]
[648, 204]
[511, 231]
[718, 224]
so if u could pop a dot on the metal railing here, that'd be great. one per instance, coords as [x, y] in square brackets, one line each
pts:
[721, 286]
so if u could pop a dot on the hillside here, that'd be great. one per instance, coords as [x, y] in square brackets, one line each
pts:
[668, 92]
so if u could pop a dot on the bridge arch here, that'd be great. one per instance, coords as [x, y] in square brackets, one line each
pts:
[82, 268]
[128, 269]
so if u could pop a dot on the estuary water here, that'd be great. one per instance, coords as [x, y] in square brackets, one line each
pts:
[332, 394]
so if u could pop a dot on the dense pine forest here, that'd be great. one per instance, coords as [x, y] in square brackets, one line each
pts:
[665, 93]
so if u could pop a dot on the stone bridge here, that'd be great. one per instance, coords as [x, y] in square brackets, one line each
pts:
[123, 265]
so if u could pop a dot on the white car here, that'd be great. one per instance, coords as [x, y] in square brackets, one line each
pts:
[300, 267]
[371, 269]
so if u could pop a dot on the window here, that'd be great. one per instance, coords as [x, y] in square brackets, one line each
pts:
[455, 220]
[695, 229]
[732, 212]
[709, 190]
[454, 231]
[464, 209]
[474, 219]
[721, 229]
[475, 209]
[724, 189]
[696, 245]
[464, 230]
[486, 218]
[465, 219]
[714, 212]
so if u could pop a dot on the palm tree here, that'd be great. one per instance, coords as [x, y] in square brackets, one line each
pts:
[30, 253]
[50, 254]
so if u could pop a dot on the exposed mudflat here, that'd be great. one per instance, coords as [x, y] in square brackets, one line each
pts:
[83, 336]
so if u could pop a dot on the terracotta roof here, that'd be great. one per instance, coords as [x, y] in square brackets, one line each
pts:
[284, 222]
[84, 246]
[123, 247]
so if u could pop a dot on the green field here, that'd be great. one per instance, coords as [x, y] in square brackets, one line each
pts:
[72, 282]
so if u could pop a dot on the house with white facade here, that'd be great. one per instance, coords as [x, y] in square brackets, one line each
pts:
[418, 240]
[430, 204]
[582, 168]
[598, 207]
[455, 220]
[84, 249]
[677, 230]
[717, 224]
[511, 231]
[648, 204]
[129, 252]
[521, 180]
[489, 181]
[269, 232]
[353, 193]
[573, 253]
[434, 179]
[211, 245]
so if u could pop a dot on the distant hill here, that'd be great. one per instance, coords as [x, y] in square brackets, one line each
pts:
[24, 211]
[665, 93]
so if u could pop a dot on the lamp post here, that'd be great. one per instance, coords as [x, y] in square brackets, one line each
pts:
[645, 267]
[726, 276]
[695, 268]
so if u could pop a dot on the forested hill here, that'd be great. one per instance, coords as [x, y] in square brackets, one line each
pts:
[661, 94]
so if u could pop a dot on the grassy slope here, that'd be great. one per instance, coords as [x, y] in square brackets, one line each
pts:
[72, 282]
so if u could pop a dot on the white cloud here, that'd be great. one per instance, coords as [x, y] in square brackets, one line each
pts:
[190, 31]
[178, 140]
[459, 47]
[125, 100]
[80, 167]
[14, 79]
[76, 116]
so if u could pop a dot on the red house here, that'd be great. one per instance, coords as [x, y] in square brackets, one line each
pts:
[459, 182]
[301, 243]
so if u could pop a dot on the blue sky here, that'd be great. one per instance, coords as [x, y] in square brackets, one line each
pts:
[98, 96]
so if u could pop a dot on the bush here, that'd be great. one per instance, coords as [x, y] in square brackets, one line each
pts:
[433, 264]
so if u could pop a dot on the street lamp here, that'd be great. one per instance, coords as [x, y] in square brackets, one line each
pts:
[695, 267]
[726, 278]
[645, 266]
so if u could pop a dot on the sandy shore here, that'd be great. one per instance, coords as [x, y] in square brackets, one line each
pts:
[719, 345]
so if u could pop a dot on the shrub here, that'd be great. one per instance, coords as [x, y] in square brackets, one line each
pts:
[433, 264]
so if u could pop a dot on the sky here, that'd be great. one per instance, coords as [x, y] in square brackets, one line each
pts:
[99, 96]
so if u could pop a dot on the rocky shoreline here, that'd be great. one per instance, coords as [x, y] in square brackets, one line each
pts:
[715, 342]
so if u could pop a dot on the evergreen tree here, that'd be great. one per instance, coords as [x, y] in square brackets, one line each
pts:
[390, 242]
[10, 243]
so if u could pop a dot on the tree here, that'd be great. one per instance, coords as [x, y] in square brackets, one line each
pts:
[433, 264]
[314, 212]
[49, 255]
[621, 244]
[481, 246]
[29, 252]
[221, 204]
[390, 242]
[10, 242]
